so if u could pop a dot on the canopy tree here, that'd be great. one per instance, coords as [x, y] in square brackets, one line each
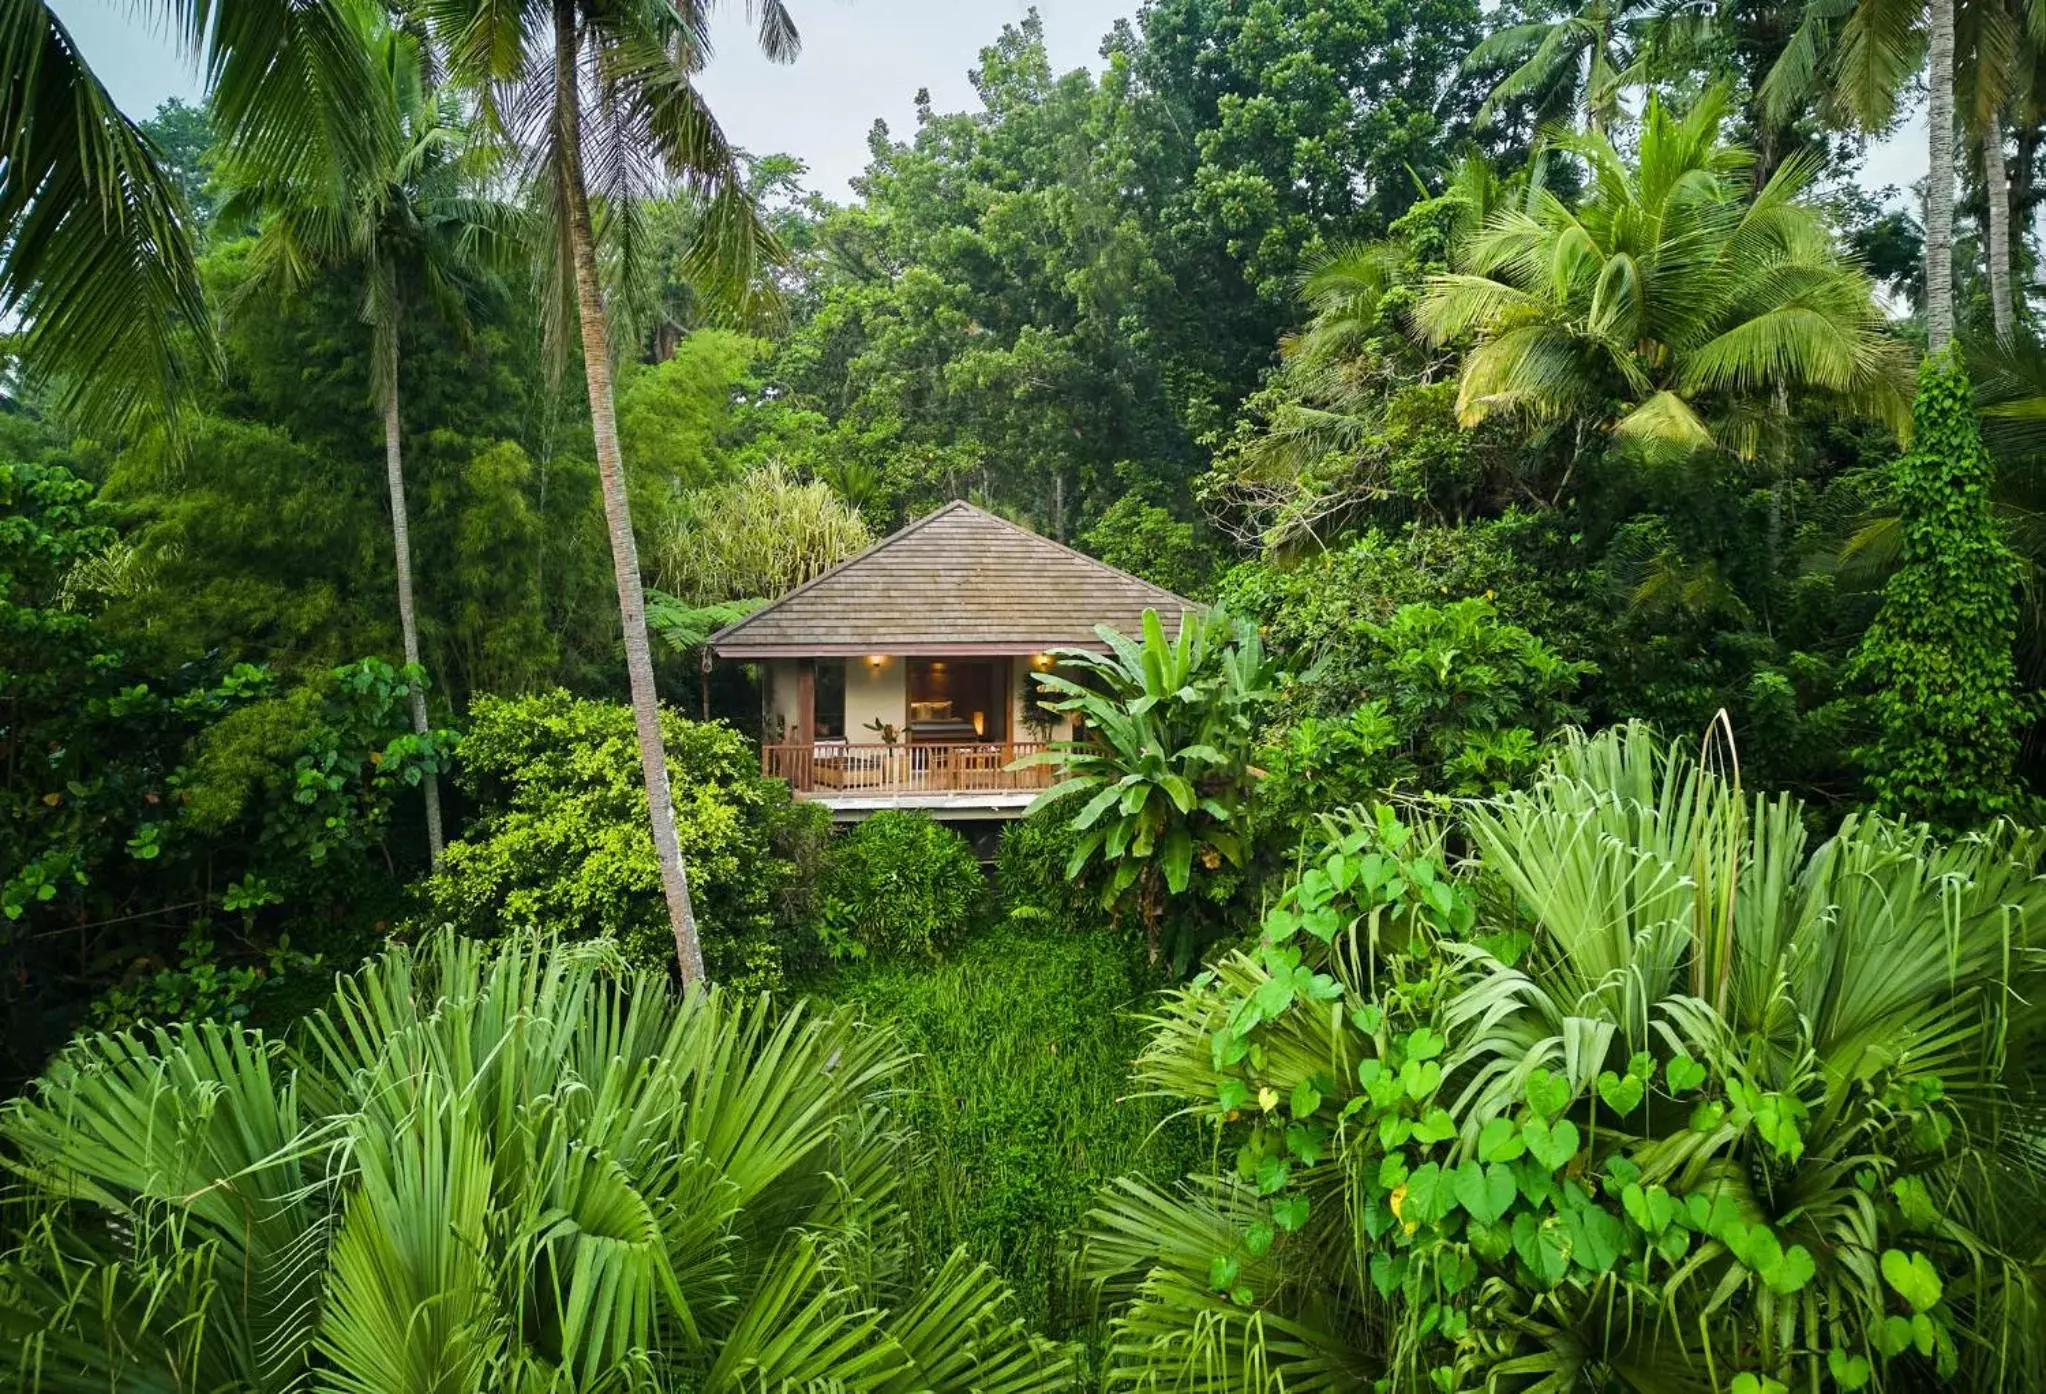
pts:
[419, 229]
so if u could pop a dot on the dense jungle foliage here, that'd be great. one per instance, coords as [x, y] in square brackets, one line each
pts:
[1564, 914]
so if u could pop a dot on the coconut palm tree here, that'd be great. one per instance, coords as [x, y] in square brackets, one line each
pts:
[600, 102]
[1861, 54]
[95, 257]
[1668, 308]
[1582, 63]
[420, 231]
[488, 1167]
[1661, 1093]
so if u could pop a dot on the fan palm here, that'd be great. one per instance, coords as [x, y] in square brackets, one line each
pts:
[95, 256]
[1668, 308]
[600, 101]
[487, 1168]
[1660, 1093]
[418, 228]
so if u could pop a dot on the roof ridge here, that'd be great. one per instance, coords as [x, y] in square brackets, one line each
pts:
[828, 572]
[1134, 590]
[1036, 536]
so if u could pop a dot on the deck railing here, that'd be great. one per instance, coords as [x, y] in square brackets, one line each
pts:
[841, 767]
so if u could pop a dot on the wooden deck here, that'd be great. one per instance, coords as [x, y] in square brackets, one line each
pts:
[967, 780]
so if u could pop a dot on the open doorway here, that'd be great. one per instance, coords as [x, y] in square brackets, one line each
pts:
[957, 700]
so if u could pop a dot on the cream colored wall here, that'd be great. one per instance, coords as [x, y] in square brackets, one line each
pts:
[1020, 689]
[874, 691]
[781, 697]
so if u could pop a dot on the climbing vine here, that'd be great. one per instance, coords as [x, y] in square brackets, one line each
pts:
[1937, 662]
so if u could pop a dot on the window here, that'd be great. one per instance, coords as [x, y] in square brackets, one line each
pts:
[830, 699]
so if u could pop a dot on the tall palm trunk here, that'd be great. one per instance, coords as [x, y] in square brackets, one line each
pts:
[1997, 181]
[1939, 181]
[639, 662]
[401, 544]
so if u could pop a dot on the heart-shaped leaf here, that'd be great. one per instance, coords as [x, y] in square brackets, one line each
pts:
[1222, 1271]
[1429, 1196]
[1388, 1272]
[1683, 1074]
[1306, 1099]
[1547, 1094]
[1913, 1277]
[1622, 1093]
[1788, 1271]
[1543, 1245]
[1289, 1212]
[1484, 1191]
[1423, 1044]
[1420, 1079]
[1651, 1208]
[1850, 1372]
[1258, 1239]
[1435, 1126]
[1597, 1238]
[1500, 1141]
[1551, 1144]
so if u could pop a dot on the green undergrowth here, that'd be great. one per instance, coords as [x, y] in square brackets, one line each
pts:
[1021, 1101]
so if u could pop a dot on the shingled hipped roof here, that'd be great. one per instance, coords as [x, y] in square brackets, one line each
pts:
[958, 581]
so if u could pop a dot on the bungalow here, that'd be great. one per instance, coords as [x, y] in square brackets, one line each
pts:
[900, 678]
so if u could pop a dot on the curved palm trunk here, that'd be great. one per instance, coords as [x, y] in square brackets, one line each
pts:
[401, 543]
[639, 663]
[1996, 179]
[1939, 181]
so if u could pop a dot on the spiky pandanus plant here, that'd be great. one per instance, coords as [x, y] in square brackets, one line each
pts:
[486, 1168]
[1662, 1093]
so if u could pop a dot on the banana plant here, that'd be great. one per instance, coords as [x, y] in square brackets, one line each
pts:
[1168, 727]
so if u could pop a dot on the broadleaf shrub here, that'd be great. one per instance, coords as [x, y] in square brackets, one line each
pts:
[899, 882]
[562, 842]
[1032, 863]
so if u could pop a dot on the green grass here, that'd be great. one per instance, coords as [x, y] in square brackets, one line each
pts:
[1021, 1101]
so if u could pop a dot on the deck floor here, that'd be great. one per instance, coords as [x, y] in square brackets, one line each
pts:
[990, 803]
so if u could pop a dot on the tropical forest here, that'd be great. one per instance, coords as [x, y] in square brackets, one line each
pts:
[1560, 907]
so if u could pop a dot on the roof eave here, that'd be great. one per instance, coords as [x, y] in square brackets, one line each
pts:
[998, 648]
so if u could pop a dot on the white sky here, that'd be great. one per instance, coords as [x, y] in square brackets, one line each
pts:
[861, 59]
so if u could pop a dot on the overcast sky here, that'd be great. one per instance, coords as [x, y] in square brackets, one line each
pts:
[861, 59]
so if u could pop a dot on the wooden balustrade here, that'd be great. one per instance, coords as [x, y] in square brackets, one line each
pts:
[841, 767]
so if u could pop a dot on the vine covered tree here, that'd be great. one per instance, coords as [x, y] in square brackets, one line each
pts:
[1937, 661]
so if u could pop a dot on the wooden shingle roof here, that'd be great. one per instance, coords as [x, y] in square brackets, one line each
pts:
[958, 581]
